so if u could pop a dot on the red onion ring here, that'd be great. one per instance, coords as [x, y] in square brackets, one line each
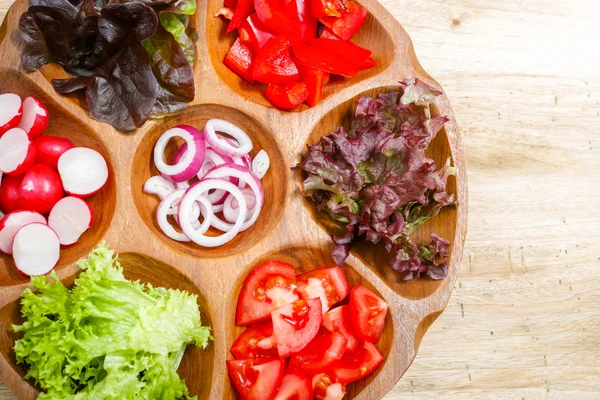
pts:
[231, 207]
[190, 162]
[260, 165]
[159, 186]
[224, 146]
[163, 212]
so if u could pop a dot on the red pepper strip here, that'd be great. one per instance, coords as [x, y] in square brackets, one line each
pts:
[315, 81]
[255, 32]
[242, 11]
[327, 8]
[345, 49]
[368, 64]
[299, 13]
[273, 63]
[231, 3]
[349, 23]
[239, 60]
[287, 96]
[327, 33]
[324, 60]
[272, 13]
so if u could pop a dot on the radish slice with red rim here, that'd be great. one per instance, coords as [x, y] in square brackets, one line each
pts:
[225, 146]
[231, 208]
[11, 109]
[168, 204]
[70, 218]
[159, 186]
[192, 156]
[17, 153]
[261, 164]
[12, 222]
[36, 249]
[83, 171]
[196, 191]
[35, 117]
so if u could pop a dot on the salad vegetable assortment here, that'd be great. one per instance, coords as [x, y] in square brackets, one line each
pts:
[36, 172]
[377, 181]
[298, 318]
[294, 45]
[212, 175]
[107, 337]
[133, 59]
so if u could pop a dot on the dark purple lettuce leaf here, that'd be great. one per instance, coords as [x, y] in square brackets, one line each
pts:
[376, 179]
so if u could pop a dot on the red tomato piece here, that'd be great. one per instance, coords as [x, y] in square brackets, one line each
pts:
[273, 63]
[256, 379]
[255, 32]
[339, 320]
[325, 389]
[329, 284]
[349, 22]
[358, 364]
[295, 325]
[268, 287]
[327, 8]
[243, 9]
[315, 81]
[368, 313]
[295, 386]
[255, 342]
[287, 96]
[320, 353]
[324, 60]
[239, 60]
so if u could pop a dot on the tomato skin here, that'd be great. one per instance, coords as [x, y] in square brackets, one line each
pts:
[255, 306]
[329, 284]
[256, 379]
[295, 386]
[320, 353]
[247, 344]
[295, 325]
[339, 320]
[368, 313]
[358, 364]
[325, 389]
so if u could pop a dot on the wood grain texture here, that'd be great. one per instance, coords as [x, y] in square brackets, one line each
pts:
[524, 83]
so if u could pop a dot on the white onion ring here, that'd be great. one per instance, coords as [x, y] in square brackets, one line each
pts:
[261, 164]
[231, 207]
[224, 146]
[194, 192]
[168, 204]
[159, 186]
[190, 162]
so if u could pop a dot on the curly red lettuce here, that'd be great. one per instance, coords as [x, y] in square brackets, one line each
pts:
[376, 179]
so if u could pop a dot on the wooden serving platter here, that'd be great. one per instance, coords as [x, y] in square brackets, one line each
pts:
[288, 227]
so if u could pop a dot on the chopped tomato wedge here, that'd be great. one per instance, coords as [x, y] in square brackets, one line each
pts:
[255, 342]
[325, 389]
[320, 353]
[273, 63]
[368, 313]
[239, 60]
[256, 379]
[358, 364]
[268, 287]
[349, 22]
[329, 284]
[339, 320]
[287, 96]
[295, 325]
[295, 386]
[327, 8]
[255, 32]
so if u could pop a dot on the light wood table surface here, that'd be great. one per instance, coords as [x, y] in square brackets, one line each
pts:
[524, 80]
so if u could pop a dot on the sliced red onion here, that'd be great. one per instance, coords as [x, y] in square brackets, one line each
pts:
[224, 146]
[168, 204]
[216, 159]
[251, 180]
[260, 164]
[194, 192]
[192, 159]
[231, 208]
[182, 185]
[159, 186]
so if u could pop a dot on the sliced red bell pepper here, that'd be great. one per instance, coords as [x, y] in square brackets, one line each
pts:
[327, 33]
[345, 49]
[273, 63]
[315, 81]
[231, 3]
[327, 8]
[299, 13]
[349, 23]
[239, 60]
[243, 9]
[255, 32]
[324, 60]
[368, 64]
[273, 14]
[287, 96]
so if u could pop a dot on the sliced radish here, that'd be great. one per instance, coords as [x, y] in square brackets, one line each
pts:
[35, 117]
[225, 146]
[83, 171]
[261, 164]
[36, 249]
[50, 148]
[9, 193]
[40, 189]
[12, 222]
[190, 161]
[11, 109]
[17, 154]
[70, 218]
